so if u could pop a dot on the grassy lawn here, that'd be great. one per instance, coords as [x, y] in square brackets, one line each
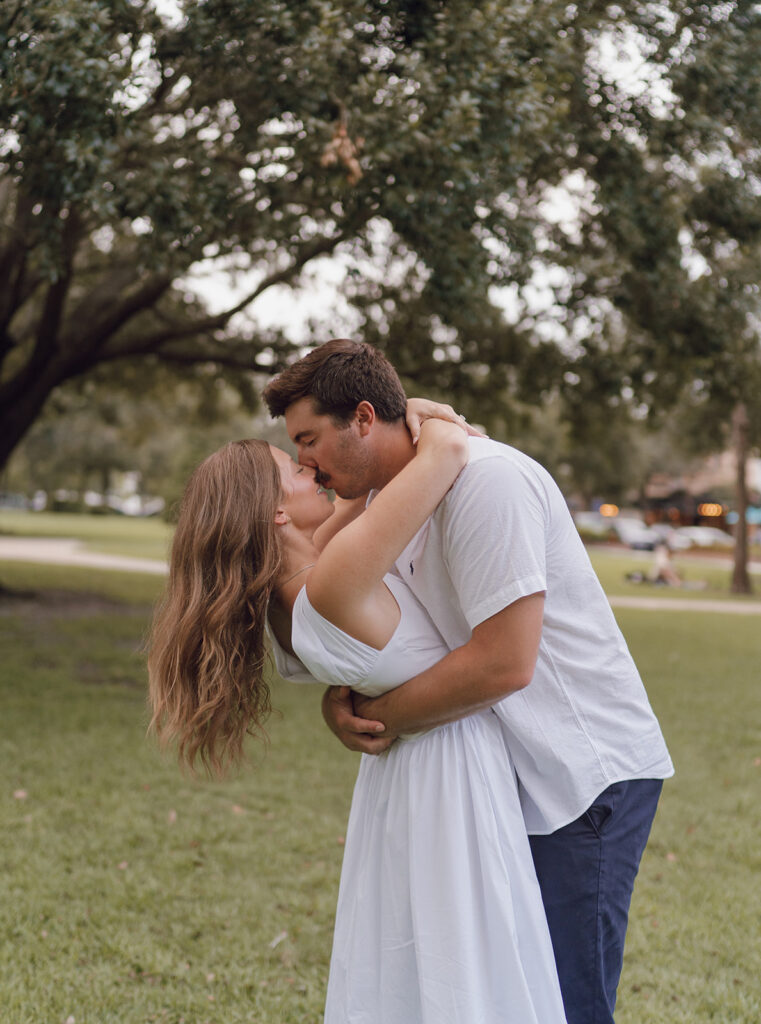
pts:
[613, 564]
[128, 892]
[113, 535]
[132, 894]
[692, 952]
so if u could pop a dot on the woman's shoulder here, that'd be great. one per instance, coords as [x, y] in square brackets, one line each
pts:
[328, 652]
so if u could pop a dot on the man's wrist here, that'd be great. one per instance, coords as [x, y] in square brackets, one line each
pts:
[378, 709]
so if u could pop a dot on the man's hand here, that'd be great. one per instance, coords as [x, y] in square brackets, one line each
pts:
[421, 409]
[355, 733]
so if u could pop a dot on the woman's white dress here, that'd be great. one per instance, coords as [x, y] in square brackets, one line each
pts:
[439, 917]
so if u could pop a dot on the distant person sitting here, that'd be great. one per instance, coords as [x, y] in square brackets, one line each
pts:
[663, 571]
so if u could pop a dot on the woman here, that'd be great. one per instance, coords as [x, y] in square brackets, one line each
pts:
[439, 917]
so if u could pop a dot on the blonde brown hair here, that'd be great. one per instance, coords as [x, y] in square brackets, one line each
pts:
[207, 647]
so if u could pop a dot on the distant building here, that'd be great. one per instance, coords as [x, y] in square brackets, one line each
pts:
[702, 494]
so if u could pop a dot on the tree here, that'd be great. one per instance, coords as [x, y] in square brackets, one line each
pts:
[267, 135]
[668, 244]
[455, 156]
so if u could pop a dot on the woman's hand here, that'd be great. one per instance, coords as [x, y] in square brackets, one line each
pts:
[445, 441]
[421, 409]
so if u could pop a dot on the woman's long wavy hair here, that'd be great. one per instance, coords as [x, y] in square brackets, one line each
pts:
[207, 647]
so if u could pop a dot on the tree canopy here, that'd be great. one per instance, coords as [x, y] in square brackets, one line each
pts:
[529, 197]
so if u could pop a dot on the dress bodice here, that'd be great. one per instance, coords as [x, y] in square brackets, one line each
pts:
[335, 657]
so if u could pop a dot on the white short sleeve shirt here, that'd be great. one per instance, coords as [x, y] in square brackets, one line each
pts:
[584, 722]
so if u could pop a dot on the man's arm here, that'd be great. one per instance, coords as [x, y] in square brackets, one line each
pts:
[498, 573]
[498, 660]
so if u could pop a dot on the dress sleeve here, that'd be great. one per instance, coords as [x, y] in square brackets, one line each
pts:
[494, 536]
[331, 655]
[288, 666]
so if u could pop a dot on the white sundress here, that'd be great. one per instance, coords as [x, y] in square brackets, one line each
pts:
[439, 917]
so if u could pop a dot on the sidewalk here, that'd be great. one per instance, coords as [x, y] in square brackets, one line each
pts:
[683, 604]
[71, 552]
[54, 551]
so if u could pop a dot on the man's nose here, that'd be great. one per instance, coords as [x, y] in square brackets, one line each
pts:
[305, 459]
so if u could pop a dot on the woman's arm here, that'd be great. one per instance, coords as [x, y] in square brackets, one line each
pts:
[345, 511]
[356, 559]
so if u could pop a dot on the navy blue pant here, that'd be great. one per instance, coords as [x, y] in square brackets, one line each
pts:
[586, 873]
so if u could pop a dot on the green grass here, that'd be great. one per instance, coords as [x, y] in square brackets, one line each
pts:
[113, 535]
[131, 894]
[692, 951]
[612, 566]
[110, 910]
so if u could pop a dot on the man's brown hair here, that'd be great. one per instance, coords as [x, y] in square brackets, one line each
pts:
[337, 376]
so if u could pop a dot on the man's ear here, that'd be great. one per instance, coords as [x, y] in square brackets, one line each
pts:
[364, 417]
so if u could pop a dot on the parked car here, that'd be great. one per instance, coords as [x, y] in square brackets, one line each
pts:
[592, 525]
[672, 536]
[630, 531]
[706, 537]
[15, 501]
[634, 533]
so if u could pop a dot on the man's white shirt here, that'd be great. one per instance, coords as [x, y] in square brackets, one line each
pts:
[502, 532]
[584, 722]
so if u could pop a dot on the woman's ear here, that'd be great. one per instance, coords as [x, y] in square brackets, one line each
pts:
[281, 517]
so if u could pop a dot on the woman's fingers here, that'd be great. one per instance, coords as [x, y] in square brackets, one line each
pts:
[472, 431]
[421, 409]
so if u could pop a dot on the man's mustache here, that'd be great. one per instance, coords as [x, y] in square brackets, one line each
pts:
[321, 479]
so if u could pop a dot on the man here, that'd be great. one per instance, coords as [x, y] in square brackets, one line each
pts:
[503, 574]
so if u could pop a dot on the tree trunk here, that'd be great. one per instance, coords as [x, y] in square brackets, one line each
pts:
[18, 415]
[740, 430]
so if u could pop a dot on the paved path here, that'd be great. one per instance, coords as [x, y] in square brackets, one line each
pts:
[683, 604]
[53, 551]
[71, 552]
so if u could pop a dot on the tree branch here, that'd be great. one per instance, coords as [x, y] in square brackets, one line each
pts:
[233, 355]
[13, 262]
[12, 17]
[238, 356]
[46, 342]
[152, 341]
[114, 314]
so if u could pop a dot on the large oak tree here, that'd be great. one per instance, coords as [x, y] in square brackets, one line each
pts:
[606, 153]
